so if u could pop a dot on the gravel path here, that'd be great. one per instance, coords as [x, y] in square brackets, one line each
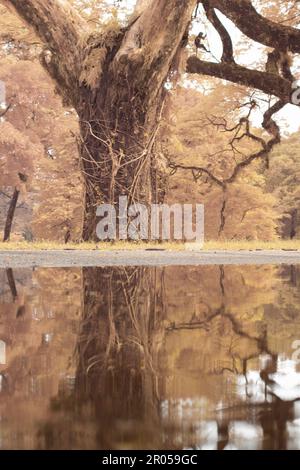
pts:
[76, 258]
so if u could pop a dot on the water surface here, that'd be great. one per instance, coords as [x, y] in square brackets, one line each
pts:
[153, 358]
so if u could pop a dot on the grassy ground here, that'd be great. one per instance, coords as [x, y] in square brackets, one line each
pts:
[210, 246]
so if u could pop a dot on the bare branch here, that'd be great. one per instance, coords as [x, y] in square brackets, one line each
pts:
[272, 128]
[2, 113]
[197, 172]
[256, 27]
[227, 55]
[263, 153]
[269, 83]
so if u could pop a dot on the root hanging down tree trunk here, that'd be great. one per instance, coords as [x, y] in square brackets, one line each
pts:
[115, 79]
[10, 215]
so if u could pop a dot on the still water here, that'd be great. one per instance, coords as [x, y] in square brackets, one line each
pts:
[150, 358]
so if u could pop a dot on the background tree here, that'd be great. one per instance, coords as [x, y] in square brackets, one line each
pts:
[54, 188]
[283, 182]
[14, 170]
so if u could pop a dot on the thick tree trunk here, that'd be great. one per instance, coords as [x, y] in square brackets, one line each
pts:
[10, 214]
[120, 105]
[118, 152]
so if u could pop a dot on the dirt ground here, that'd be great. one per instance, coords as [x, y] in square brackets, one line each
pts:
[151, 257]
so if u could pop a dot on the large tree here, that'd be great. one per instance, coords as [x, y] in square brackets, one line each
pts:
[115, 80]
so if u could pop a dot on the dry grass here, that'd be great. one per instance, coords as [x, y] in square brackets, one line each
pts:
[253, 245]
[49, 245]
[210, 245]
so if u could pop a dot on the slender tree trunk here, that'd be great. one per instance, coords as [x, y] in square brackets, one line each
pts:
[10, 214]
[293, 275]
[11, 283]
[294, 216]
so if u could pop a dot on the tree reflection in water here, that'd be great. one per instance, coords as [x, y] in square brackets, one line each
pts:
[117, 352]
[185, 357]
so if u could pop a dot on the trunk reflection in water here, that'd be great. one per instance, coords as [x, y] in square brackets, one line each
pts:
[128, 358]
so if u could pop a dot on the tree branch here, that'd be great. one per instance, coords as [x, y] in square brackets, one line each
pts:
[269, 83]
[263, 153]
[257, 27]
[60, 27]
[227, 55]
[2, 113]
[197, 172]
